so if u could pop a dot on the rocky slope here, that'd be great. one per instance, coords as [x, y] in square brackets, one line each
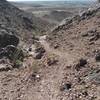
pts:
[80, 38]
[65, 66]
[83, 29]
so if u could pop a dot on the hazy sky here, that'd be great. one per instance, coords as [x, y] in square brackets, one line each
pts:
[46, 0]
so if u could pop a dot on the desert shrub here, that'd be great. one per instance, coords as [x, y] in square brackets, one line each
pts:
[17, 63]
[17, 57]
[38, 33]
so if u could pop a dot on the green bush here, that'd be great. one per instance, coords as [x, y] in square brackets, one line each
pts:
[17, 63]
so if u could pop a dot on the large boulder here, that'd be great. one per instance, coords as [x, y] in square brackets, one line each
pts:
[7, 39]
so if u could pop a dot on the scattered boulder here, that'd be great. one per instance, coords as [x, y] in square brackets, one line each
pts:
[5, 64]
[5, 67]
[89, 13]
[39, 52]
[92, 35]
[94, 76]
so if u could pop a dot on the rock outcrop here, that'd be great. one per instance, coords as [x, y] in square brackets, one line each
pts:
[16, 26]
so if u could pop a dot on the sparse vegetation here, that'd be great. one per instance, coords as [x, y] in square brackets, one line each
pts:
[35, 66]
[17, 55]
[17, 63]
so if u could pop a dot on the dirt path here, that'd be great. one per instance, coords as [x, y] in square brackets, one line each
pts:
[62, 55]
[49, 87]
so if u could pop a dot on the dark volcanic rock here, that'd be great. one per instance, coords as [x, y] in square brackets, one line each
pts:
[97, 57]
[82, 62]
[11, 52]
[66, 86]
[8, 39]
[40, 49]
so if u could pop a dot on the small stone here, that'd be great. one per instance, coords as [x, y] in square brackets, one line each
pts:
[37, 76]
[66, 86]
[30, 49]
[84, 34]
[56, 46]
[82, 62]
[97, 57]
[85, 93]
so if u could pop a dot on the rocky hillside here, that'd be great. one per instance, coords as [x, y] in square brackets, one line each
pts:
[19, 22]
[79, 37]
[77, 32]
[14, 21]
